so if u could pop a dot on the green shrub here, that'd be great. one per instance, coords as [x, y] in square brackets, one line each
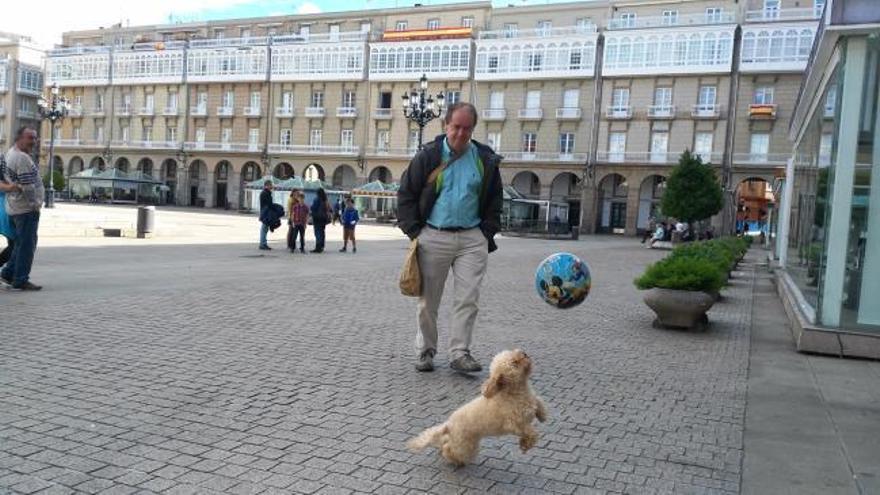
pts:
[683, 273]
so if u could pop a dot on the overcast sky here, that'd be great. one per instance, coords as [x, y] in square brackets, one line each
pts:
[46, 20]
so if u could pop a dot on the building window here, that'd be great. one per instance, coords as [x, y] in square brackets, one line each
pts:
[229, 99]
[219, 34]
[616, 146]
[349, 98]
[287, 100]
[346, 139]
[467, 21]
[413, 140]
[670, 17]
[172, 102]
[544, 28]
[147, 134]
[253, 138]
[316, 137]
[452, 97]
[305, 32]
[255, 99]
[317, 99]
[493, 139]
[778, 45]
[570, 98]
[511, 29]
[566, 143]
[628, 20]
[529, 142]
[366, 27]
[825, 143]
[496, 100]
[284, 137]
[171, 135]
[760, 145]
[334, 32]
[659, 146]
[584, 24]
[77, 133]
[703, 146]
[533, 99]
[226, 135]
[126, 134]
[575, 60]
[771, 9]
[385, 99]
[245, 33]
[400, 26]
[830, 101]
[383, 140]
[620, 100]
[706, 97]
[714, 15]
[663, 98]
[433, 24]
[99, 134]
[535, 60]
[493, 63]
[200, 136]
[763, 95]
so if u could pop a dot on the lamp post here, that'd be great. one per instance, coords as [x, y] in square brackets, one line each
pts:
[54, 108]
[421, 108]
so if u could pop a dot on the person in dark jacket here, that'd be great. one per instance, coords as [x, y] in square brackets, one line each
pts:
[265, 203]
[321, 212]
[455, 213]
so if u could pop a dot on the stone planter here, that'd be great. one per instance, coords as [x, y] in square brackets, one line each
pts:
[679, 308]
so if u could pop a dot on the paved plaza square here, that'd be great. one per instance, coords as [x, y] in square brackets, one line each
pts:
[153, 366]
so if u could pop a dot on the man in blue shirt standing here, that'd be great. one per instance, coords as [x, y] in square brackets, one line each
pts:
[450, 198]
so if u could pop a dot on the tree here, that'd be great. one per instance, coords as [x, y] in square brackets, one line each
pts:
[692, 190]
[57, 180]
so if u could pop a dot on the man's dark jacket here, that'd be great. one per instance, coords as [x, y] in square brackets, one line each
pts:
[416, 197]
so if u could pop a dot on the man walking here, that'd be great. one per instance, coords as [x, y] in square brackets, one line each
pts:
[265, 203]
[23, 207]
[450, 198]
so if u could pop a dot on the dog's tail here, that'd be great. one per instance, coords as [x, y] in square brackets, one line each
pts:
[431, 436]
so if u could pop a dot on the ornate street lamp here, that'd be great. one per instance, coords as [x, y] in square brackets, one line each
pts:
[421, 108]
[53, 108]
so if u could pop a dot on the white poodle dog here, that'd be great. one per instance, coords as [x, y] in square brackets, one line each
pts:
[507, 406]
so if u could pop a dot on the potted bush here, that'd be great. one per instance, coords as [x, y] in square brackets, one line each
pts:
[679, 290]
[692, 191]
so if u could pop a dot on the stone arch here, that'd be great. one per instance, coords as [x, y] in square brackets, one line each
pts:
[58, 164]
[283, 171]
[198, 183]
[613, 191]
[314, 171]
[75, 165]
[650, 193]
[754, 196]
[145, 166]
[97, 163]
[344, 177]
[527, 184]
[168, 175]
[250, 172]
[565, 186]
[122, 164]
[380, 173]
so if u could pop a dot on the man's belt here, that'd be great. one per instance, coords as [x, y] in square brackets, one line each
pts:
[449, 229]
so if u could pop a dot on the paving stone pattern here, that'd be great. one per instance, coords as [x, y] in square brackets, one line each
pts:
[209, 370]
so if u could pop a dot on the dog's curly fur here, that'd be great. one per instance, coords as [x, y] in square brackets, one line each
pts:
[507, 406]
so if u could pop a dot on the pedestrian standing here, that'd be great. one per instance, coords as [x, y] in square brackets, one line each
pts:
[265, 203]
[451, 198]
[291, 201]
[23, 207]
[299, 216]
[321, 214]
[337, 210]
[6, 229]
[350, 219]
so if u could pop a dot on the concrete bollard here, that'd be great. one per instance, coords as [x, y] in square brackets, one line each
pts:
[146, 221]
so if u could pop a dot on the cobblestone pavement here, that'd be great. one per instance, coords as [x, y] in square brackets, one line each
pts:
[203, 369]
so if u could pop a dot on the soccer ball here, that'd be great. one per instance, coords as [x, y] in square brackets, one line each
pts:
[563, 280]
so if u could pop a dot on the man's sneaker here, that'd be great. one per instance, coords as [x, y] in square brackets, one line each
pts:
[466, 364]
[354, 250]
[343, 250]
[265, 248]
[28, 286]
[426, 361]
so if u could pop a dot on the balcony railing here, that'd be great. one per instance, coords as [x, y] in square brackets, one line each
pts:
[314, 149]
[213, 43]
[251, 111]
[618, 112]
[564, 31]
[320, 37]
[661, 157]
[661, 112]
[782, 14]
[493, 114]
[543, 156]
[75, 111]
[169, 111]
[382, 113]
[225, 111]
[97, 112]
[123, 111]
[346, 112]
[315, 112]
[696, 19]
[27, 114]
[762, 111]
[78, 142]
[391, 152]
[774, 159]
[215, 146]
[146, 144]
[146, 111]
[568, 113]
[284, 111]
[199, 111]
[531, 114]
[706, 111]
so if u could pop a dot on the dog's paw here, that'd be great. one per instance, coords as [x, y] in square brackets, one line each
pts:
[541, 414]
[527, 442]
